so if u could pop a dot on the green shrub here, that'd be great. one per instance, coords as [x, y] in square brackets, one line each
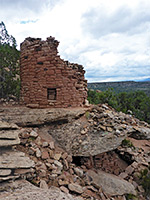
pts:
[131, 197]
[127, 143]
[87, 115]
[145, 180]
[31, 138]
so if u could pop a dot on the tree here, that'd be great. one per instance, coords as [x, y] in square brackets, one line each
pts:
[9, 64]
[137, 102]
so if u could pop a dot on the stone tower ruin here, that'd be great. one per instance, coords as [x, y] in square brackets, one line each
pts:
[46, 79]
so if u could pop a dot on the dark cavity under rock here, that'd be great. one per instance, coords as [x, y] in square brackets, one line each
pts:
[109, 162]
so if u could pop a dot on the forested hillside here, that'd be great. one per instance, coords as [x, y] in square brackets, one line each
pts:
[124, 86]
[136, 103]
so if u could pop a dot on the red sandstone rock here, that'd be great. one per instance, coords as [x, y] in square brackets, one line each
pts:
[45, 155]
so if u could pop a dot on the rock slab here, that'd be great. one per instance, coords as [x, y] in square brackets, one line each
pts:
[23, 190]
[15, 160]
[111, 184]
[8, 134]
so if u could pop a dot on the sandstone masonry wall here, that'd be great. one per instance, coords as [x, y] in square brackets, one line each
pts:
[46, 79]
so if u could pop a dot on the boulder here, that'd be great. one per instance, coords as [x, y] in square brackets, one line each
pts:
[74, 187]
[43, 184]
[141, 133]
[111, 184]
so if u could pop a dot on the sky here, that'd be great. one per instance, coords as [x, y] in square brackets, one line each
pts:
[110, 38]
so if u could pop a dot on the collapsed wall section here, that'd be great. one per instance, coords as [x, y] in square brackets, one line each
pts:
[46, 79]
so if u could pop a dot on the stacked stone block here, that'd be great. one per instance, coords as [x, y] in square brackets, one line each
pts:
[13, 163]
[46, 79]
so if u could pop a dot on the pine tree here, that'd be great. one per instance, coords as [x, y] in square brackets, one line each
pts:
[9, 64]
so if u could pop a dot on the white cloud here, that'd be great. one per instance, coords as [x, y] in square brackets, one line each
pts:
[110, 38]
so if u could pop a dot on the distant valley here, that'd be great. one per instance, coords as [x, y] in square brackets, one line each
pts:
[125, 86]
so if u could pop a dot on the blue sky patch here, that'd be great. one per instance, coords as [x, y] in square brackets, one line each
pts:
[28, 21]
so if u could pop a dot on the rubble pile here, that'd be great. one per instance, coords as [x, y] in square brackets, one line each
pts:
[96, 154]
[55, 167]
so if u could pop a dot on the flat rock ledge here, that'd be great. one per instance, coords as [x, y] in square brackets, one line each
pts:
[7, 126]
[23, 116]
[15, 160]
[23, 190]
